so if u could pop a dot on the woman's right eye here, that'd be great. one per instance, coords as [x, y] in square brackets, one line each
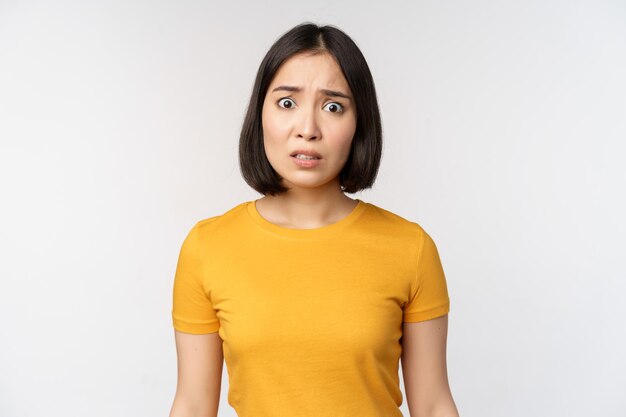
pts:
[289, 102]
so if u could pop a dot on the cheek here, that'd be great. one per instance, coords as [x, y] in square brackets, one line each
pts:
[273, 128]
[272, 137]
[343, 135]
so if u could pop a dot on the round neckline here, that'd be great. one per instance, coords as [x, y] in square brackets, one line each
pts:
[329, 229]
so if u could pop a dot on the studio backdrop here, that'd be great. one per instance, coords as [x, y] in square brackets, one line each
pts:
[504, 136]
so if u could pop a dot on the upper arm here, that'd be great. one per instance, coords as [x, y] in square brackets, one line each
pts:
[196, 330]
[200, 362]
[424, 367]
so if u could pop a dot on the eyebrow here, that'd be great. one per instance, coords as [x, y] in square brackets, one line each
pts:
[330, 93]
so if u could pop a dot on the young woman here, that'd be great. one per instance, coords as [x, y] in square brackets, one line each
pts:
[311, 297]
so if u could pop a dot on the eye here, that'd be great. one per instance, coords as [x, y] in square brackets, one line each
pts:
[288, 101]
[334, 107]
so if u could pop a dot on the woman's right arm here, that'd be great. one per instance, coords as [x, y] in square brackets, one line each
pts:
[200, 361]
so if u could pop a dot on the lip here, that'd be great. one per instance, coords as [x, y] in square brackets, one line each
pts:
[306, 163]
[306, 152]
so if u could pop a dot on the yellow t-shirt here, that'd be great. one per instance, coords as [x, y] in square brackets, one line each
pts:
[311, 319]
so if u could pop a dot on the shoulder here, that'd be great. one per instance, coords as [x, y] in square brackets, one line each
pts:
[395, 223]
[209, 226]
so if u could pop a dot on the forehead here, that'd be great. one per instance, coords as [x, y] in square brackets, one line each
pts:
[318, 70]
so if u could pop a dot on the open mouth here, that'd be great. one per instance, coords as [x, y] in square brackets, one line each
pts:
[305, 157]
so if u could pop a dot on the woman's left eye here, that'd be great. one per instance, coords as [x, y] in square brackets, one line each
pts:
[334, 107]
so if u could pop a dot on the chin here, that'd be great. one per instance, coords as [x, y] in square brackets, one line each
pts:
[304, 184]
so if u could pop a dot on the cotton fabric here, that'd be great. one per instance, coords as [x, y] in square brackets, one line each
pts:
[310, 319]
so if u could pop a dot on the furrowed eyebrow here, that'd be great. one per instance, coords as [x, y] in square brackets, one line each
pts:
[330, 93]
[333, 93]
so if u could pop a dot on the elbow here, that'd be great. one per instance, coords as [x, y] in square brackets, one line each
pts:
[181, 408]
[442, 409]
[448, 413]
[444, 413]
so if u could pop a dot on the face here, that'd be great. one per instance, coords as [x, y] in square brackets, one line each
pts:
[309, 107]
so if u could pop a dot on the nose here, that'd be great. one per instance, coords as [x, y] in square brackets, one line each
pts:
[307, 126]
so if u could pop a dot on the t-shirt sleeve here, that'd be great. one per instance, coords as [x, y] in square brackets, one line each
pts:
[192, 311]
[429, 293]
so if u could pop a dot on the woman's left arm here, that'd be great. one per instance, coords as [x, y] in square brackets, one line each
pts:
[425, 370]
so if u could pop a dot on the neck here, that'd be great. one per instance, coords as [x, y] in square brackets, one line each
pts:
[306, 208]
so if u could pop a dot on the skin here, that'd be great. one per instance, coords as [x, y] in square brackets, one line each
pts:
[200, 363]
[308, 119]
[311, 119]
[424, 369]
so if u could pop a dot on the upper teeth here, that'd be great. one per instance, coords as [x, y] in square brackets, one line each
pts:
[301, 156]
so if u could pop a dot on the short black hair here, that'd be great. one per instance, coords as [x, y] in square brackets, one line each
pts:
[361, 167]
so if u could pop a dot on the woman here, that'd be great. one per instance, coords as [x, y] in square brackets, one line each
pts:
[311, 297]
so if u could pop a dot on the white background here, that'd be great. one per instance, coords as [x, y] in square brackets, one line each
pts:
[504, 126]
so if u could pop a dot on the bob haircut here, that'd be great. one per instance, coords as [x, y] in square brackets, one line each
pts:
[361, 167]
